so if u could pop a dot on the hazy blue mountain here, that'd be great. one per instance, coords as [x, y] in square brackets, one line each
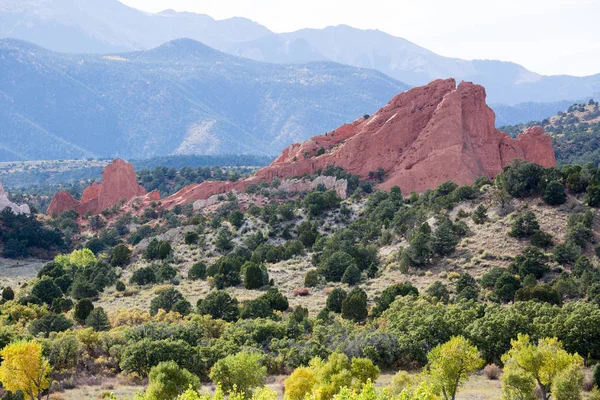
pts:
[180, 98]
[107, 26]
[525, 112]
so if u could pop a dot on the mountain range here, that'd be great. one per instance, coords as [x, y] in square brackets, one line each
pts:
[182, 97]
[108, 26]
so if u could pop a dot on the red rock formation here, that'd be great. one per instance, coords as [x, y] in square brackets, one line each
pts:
[119, 182]
[422, 138]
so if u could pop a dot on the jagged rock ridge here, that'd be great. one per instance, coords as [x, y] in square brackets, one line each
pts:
[422, 138]
[119, 182]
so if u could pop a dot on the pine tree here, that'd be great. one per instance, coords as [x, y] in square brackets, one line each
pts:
[480, 214]
[444, 239]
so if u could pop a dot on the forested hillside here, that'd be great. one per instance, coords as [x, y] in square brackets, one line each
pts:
[310, 283]
[575, 133]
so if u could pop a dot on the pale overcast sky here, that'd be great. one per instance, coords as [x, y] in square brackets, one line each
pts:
[545, 36]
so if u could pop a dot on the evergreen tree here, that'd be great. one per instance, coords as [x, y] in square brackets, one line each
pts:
[555, 194]
[335, 300]
[83, 308]
[525, 225]
[593, 196]
[121, 256]
[354, 306]
[254, 276]
[198, 271]
[480, 214]
[352, 275]
[98, 320]
[419, 251]
[444, 239]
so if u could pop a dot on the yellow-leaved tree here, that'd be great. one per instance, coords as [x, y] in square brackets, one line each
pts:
[78, 258]
[547, 366]
[322, 380]
[24, 368]
[451, 363]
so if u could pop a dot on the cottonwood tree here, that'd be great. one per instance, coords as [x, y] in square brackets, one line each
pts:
[451, 363]
[24, 368]
[527, 367]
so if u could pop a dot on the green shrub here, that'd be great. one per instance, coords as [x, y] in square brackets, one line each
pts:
[242, 371]
[219, 305]
[480, 214]
[98, 320]
[354, 306]
[191, 238]
[334, 266]
[165, 272]
[8, 294]
[312, 278]
[198, 271]
[506, 286]
[524, 225]
[438, 291]
[541, 293]
[46, 290]
[593, 196]
[277, 301]
[254, 275]
[352, 275]
[50, 323]
[521, 179]
[555, 194]
[256, 308]
[530, 261]
[143, 276]
[566, 253]
[236, 218]
[121, 256]
[120, 286]
[83, 308]
[167, 381]
[596, 375]
[165, 300]
[542, 240]
[390, 293]
[335, 300]
[164, 250]
[489, 279]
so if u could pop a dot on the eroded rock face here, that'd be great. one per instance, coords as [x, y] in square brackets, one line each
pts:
[6, 203]
[421, 138]
[119, 182]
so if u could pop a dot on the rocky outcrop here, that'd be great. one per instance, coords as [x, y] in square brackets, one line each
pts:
[119, 182]
[422, 138]
[6, 203]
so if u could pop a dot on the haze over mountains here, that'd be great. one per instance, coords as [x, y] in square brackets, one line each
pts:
[108, 26]
[180, 98]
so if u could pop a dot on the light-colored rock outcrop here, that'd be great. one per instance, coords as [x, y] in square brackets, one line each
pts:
[6, 203]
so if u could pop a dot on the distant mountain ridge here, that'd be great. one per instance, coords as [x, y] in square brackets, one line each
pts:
[180, 98]
[108, 26]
